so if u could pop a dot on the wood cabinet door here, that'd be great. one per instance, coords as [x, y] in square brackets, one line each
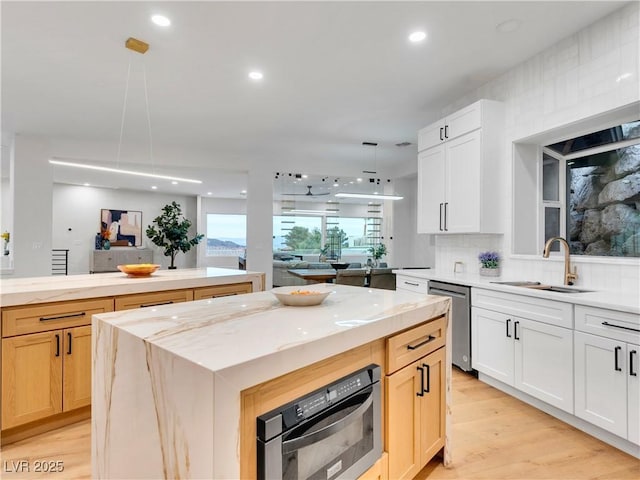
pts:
[432, 406]
[403, 422]
[77, 368]
[492, 344]
[462, 179]
[222, 290]
[31, 377]
[153, 299]
[431, 190]
[600, 388]
[544, 362]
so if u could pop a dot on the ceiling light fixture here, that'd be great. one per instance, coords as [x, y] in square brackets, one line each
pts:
[64, 163]
[153, 187]
[416, 37]
[161, 20]
[366, 195]
[87, 184]
[174, 182]
[256, 75]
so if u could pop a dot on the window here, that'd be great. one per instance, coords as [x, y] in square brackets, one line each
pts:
[299, 235]
[226, 235]
[591, 192]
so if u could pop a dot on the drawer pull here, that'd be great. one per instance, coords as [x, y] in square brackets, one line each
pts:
[412, 284]
[421, 344]
[57, 345]
[632, 354]
[144, 305]
[508, 322]
[69, 337]
[71, 315]
[515, 330]
[607, 324]
[615, 357]
[421, 392]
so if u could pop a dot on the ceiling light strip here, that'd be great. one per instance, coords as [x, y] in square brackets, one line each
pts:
[119, 170]
[364, 195]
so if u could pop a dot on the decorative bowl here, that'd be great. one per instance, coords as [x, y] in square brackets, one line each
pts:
[138, 269]
[304, 296]
[339, 265]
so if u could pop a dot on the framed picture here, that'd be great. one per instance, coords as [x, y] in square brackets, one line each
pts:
[124, 227]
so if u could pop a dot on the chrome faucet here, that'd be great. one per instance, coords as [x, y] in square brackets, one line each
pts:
[569, 276]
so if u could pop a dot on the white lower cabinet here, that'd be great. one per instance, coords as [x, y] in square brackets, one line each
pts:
[532, 356]
[606, 384]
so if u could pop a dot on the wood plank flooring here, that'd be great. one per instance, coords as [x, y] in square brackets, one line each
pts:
[494, 436]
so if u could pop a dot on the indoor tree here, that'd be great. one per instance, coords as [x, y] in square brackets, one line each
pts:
[171, 232]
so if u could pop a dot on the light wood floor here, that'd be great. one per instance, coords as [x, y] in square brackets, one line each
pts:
[494, 436]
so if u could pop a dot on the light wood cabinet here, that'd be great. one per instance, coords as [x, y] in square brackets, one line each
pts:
[77, 368]
[378, 471]
[153, 299]
[456, 170]
[415, 409]
[222, 290]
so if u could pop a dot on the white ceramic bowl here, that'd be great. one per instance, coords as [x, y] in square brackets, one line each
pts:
[302, 296]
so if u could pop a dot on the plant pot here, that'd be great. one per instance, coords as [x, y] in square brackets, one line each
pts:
[106, 245]
[490, 272]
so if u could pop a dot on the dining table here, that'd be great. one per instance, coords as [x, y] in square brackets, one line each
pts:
[326, 275]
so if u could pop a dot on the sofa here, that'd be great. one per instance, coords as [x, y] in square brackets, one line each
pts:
[282, 277]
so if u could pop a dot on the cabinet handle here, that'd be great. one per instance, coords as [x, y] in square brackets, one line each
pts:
[428, 377]
[607, 324]
[515, 330]
[445, 217]
[615, 357]
[144, 305]
[57, 345]
[411, 283]
[446, 131]
[71, 315]
[421, 344]
[421, 392]
[440, 225]
[632, 354]
[507, 323]
[441, 134]
[69, 338]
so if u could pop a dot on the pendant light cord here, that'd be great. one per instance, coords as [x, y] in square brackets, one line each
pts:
[146, 99]
[124, 111]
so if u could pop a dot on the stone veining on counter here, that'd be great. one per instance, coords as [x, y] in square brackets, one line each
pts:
[180, 369]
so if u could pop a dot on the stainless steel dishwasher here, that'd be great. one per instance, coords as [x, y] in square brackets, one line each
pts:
[460, 321]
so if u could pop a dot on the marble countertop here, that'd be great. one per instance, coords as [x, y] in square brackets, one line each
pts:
[223, 333]
[28, 291]
[621, 301]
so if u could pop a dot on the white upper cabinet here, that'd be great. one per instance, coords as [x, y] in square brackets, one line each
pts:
[459, 171]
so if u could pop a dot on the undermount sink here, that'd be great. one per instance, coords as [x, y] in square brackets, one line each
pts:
[546, 288]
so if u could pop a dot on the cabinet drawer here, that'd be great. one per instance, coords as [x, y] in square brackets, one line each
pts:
[410, 345]
[52, 316]
[418, 285]
[141, 300]
[621, 326]
[222, 290]
[540, 309]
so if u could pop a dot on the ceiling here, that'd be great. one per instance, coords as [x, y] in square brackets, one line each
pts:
[335, 74]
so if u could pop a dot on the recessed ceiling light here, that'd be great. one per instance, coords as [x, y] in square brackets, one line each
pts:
[358, 179]
[305, 176]
[161, 20]
[336, 184]
[243, 192]
[508, 26]
[153, 187]
[209, 193]
[174, 183]
[416, 37]
[256, 75]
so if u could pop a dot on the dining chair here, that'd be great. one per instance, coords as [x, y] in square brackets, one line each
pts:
[382, 278]
[351, 276]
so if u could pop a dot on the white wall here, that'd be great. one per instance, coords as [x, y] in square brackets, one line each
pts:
[76, 220]
[575, 79]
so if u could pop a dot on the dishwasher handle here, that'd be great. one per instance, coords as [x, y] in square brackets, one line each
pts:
[444, 292]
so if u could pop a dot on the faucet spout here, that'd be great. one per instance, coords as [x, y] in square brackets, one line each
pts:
[569, 276]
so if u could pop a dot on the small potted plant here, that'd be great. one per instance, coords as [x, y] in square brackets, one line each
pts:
[171, 232]
[377, 252]
[489, 264]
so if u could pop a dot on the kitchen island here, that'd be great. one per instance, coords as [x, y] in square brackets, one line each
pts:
[171, 385]
[46, 335]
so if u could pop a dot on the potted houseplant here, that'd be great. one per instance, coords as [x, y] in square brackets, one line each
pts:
[377, 252]
[489, 264]
[171, 232]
